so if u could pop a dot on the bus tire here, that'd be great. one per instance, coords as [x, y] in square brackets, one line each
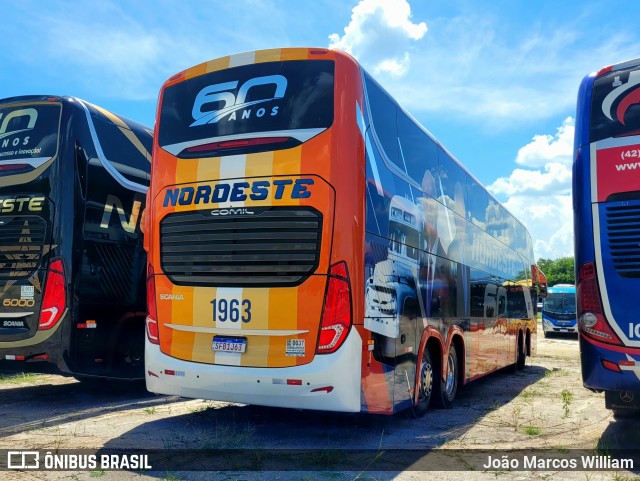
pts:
[448, 387]
[424, 385]
[522, 354]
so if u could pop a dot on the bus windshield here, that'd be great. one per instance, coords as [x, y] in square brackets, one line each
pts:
[560, 302]
[28, 136]
[264, 103]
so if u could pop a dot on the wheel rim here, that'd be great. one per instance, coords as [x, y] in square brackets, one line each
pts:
[451, 375]
[426, 379]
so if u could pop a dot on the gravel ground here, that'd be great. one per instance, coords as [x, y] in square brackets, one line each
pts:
[542, 408]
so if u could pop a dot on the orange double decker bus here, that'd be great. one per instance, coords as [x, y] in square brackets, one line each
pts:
[310, 245]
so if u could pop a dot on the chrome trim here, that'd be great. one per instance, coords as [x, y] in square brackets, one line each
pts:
[106, 163]
[299, 134]
[34, 162]
[14, 315]
[237, 332]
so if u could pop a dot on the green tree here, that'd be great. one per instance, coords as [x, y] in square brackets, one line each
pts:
[558, 271]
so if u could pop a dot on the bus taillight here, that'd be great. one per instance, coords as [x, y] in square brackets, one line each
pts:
[592, 322]
[336, 313]
[54, 300]
[152, 311]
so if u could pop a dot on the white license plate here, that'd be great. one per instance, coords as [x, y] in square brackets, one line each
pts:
[229, 344]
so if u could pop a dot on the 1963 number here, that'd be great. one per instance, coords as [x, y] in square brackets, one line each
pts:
[231, 310]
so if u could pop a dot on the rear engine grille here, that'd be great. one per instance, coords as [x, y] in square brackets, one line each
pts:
[116, 268]
[22, 241]
[623, 235]
[276, 246]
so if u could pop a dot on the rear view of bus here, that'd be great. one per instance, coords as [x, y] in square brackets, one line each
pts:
[606, 189]
[250, 255]
[73, 178]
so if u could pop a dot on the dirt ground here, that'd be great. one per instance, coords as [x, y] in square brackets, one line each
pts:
[542, 408]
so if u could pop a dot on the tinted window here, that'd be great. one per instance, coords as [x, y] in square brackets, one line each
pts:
[494, 219]
[508, 229]
[453, 181]
[420, 152]
[263, 97]
[615, 108]
[516, 304]
[477, 204]
[501, 224]
[28, 131]
[125, 150]
[521, 239]
[384, 112]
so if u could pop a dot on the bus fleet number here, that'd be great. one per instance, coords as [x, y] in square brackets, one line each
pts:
[18, 303]
[231, 310]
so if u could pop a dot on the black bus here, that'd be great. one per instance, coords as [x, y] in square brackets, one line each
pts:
[73, 179]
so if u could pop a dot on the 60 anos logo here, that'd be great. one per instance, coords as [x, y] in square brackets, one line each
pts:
[234, 105]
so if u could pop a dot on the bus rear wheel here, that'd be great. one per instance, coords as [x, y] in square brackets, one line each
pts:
[522, 354]
[424, 385]
[449, 385]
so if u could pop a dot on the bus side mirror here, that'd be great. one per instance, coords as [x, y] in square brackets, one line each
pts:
[539, 280]
[543, 290]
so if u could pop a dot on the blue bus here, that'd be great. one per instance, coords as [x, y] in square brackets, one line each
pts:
[606, 203]
[559, 310]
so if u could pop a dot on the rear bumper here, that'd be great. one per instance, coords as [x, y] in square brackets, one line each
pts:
[264, 386]
[49, 342]
[596, 376]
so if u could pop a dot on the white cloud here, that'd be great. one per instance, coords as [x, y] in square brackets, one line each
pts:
[541, 198]
[549, 220]
[380, 34]
[546, 149]
[475, 68]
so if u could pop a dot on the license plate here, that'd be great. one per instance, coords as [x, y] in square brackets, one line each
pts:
[229, 344]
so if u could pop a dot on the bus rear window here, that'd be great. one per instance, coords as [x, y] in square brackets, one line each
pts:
[265, 106]
[28, 136]
[615, 107]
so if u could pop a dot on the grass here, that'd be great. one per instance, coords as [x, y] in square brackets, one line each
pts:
[567, 397]
[515, 417]
[528, 395]
[171, 477]
[226, 435]
[624, 477]
[97, 474]
[19, 378]
[531, 430]
[150, 411]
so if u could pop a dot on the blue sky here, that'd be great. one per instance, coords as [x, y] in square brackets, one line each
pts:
[495, 81]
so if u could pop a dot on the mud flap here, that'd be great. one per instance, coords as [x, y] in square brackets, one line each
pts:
[622, 400]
